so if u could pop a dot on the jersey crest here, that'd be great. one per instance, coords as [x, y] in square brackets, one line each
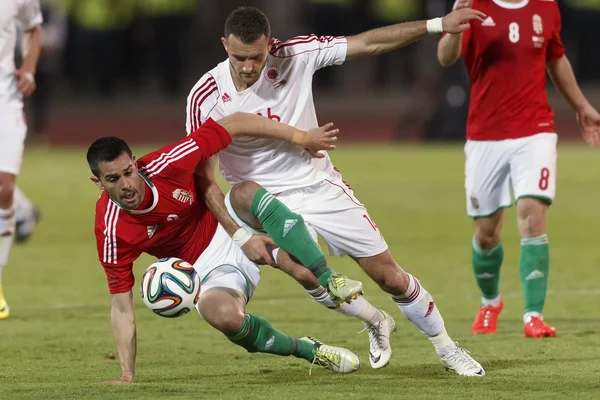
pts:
[184, 196]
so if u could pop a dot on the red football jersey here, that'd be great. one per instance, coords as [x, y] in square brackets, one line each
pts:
[171, 221]
[506, 57]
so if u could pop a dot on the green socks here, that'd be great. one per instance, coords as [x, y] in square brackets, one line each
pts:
[288, 231]
[257, 335]
[534, 267]
[486, 265]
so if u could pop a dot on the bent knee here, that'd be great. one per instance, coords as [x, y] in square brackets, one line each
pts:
[226, 320]
[243, 193]
[532, 225]
[532, 217]
[487, 240]
[384, 270]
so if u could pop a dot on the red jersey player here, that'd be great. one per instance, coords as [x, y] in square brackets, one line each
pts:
[152, 205]
[511, 141]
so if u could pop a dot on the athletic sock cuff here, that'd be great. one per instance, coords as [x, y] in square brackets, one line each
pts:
[535, 241]
[244, 330]
[485, 252]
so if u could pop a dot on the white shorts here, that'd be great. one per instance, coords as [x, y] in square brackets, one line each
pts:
[13, 130]
[224, 264]
[525, 165]
[331, 210]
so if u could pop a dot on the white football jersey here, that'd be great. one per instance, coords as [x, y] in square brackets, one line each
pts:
[14, 14]
[283, 93]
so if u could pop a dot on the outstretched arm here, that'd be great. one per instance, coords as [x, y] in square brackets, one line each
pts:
[239, 124]
[449, 46]
[124, 329]
[562, 75]
[389, 38]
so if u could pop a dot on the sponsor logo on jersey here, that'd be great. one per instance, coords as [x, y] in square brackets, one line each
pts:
[225, 97]
[272, 74]
[172, 217]
[151, 230]
[489, 21]
[184, 196]
[538, 26]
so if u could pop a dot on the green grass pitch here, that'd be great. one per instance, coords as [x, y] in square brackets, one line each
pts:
[58, 342]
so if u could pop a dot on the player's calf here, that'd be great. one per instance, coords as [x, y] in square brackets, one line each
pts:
[7, 190]
[7, 229]
[223, 309]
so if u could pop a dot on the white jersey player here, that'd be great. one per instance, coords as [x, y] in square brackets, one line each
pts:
[274, 79]
[14, 84]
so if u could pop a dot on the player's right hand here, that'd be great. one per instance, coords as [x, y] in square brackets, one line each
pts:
[321, 138]
[462, 4]
[257, 249]
[458, 20]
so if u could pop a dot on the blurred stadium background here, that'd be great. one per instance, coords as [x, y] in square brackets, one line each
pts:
[124, 68]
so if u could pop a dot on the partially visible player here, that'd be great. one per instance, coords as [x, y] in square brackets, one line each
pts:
[511, 142]
[14, 84]
[151, 205]
[271, 78]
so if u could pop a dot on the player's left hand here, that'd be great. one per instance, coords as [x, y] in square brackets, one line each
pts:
[257, 249]
[589, 123]
[25, 82]
[321, 138]
[458, 20]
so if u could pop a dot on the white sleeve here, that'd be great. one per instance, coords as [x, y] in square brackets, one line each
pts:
[317, 51]
[29, 14]
[202, 99]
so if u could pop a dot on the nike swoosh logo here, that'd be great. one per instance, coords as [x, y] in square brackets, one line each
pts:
[373, 358]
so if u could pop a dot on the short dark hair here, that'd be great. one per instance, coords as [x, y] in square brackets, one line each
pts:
[247, 24]
[106, 149]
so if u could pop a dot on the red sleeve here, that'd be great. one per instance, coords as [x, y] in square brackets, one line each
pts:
[120, 278]
[555, 49]
[185, 155]
[113, 252]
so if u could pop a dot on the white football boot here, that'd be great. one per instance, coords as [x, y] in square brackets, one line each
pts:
[380, 350]
[459, 361]
[336, 359]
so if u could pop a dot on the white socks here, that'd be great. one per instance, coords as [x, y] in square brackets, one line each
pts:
[528, 315]
[418, 306]
[359, 308]
[495, 302]
[22, 205]
[7, 230]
